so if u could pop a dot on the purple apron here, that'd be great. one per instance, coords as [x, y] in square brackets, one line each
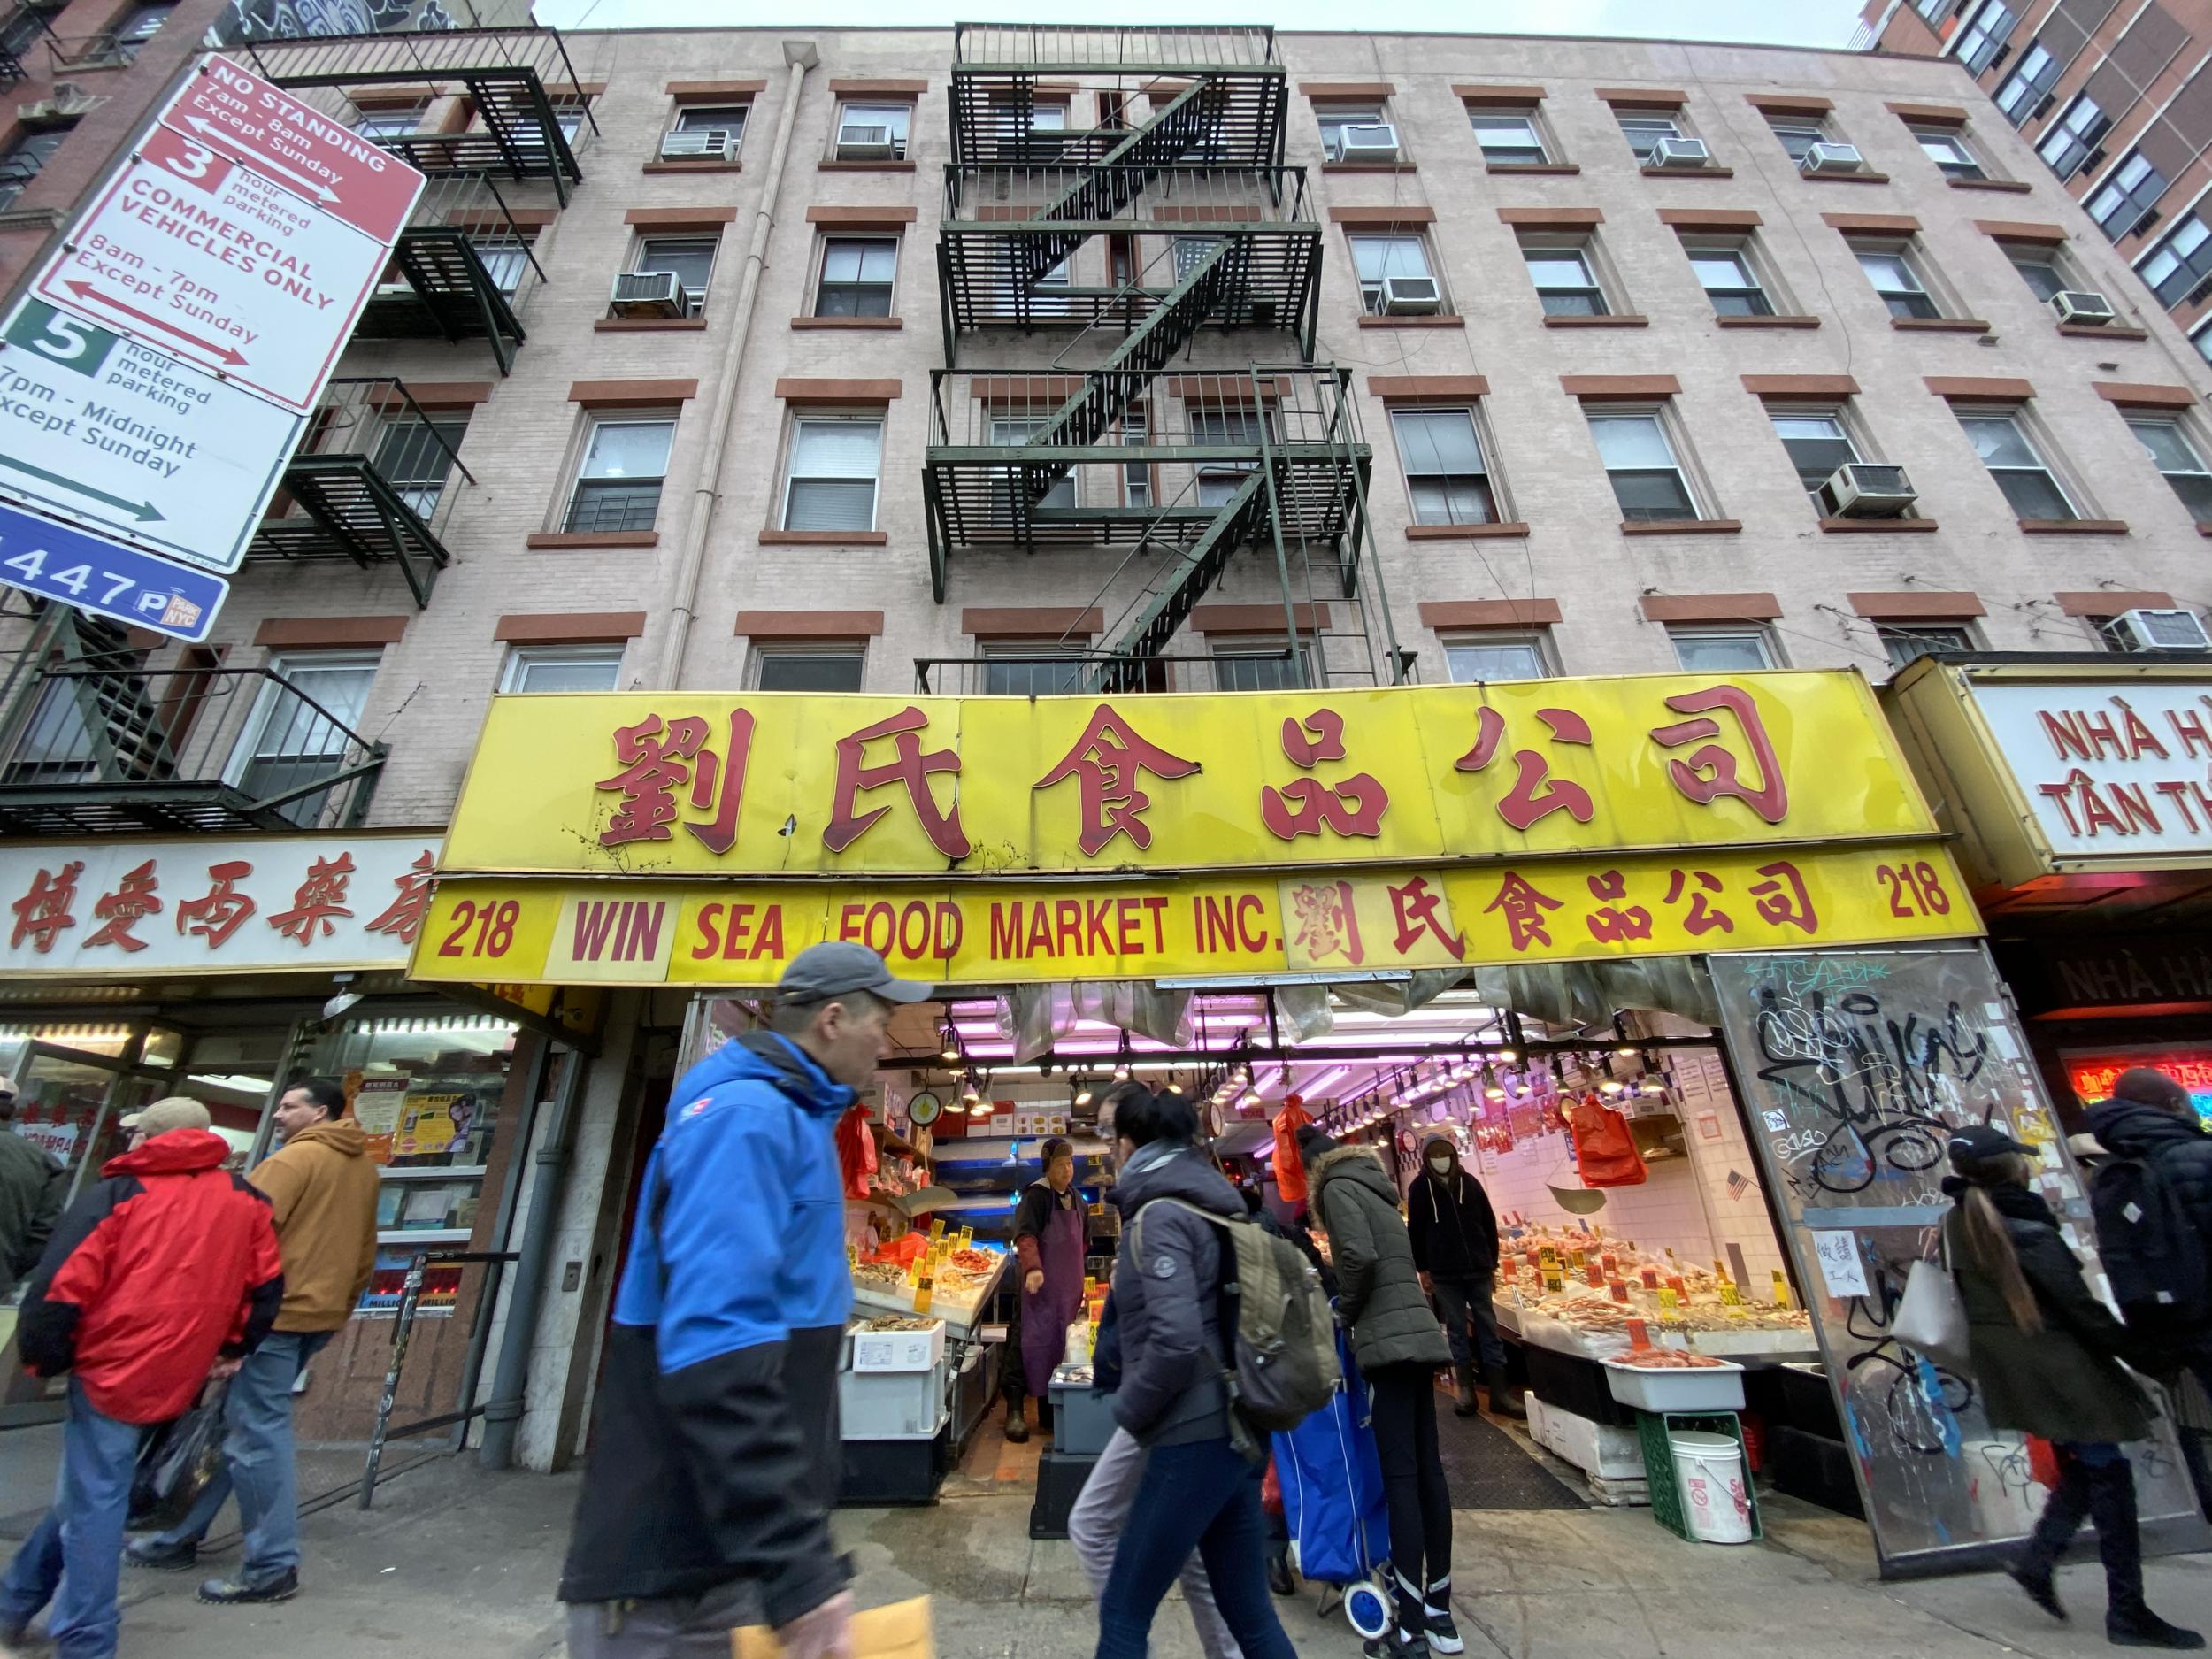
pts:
[1047, 1314]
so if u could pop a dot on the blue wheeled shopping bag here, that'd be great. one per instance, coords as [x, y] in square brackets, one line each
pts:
[1333, 1496]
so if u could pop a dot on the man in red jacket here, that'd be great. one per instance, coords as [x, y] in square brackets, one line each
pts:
[161, 1274]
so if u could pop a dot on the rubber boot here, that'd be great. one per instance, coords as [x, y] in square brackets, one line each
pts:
[1505, 1399]
[1463, 1377]
[1017, 1424]
[2128, 1620]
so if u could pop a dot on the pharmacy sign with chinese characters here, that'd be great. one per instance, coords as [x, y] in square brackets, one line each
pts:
[204, 904]
[989, 840]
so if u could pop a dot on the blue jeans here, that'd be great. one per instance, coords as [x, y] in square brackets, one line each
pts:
[77, 1548]
[1203, 1496]
[257, 1459]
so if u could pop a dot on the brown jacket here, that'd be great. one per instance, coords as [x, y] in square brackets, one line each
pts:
[323, 1189]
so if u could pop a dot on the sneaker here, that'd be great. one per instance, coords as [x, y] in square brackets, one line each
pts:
[2145, 1629]
[2041, 1589]
[1396, 1644]
[1442, 1633]
[231, 1593]
[151, 1552]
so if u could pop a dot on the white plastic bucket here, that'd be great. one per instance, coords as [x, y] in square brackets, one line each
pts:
[1708, 1469]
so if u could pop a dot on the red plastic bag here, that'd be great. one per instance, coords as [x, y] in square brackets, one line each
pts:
[856, 1152]
[1288, 1168]
[2042, 1462]
[1270, 1489]
[1605, 1151]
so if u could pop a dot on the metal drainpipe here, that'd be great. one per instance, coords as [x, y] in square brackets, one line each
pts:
[690, 564]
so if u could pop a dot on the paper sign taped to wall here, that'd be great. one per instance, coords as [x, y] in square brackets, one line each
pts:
[1842, 1268]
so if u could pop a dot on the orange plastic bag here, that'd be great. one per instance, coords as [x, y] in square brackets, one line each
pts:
[900, 1631]
[2042, 1462]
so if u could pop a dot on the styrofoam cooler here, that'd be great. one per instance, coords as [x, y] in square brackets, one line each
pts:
[1710, 1469]
[900, 1350]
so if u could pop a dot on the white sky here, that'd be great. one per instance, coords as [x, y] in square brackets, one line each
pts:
[1782, 22]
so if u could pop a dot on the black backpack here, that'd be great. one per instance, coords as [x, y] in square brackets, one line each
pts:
[2150, 1247]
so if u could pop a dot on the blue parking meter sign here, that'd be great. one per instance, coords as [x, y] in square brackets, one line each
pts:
[137, 589]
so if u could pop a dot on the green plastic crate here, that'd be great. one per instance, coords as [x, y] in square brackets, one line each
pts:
[1669, 1507]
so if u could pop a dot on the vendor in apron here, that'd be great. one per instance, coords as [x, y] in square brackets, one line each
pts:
[1051, 1235]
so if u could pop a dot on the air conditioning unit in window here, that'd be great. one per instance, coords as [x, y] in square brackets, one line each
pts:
[2160, 631]
[1826, 158]
[1377, 143]
[2077, 306]
[648, 294]
[863, 141]
[1866, 489]
[1680, 152]
[714, 143]
[1411, 297]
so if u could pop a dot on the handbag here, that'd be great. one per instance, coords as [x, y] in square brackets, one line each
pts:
[176, 1463]
[1930, 1319]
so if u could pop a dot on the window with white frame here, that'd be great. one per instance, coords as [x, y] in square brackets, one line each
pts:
[619, 481]
[1033, 668]
[1243, 663]
[2203, 340]
[689, 259]
[808, 665]
[416, 455]
[1894, 272]
[1336, 119]
[1798, 134]
[1933, 11]
[1136, 476]
[562, 668]
[2038, 267]
[504, 259]
[1638, 457]
[2022, 92]
[1447, 475]
[872, 132]
[2073, 135]
[710, 131]
[1565, 281]
[2010, 454]
[1475, 658]
[2175, 453]
[300, 730]
[1817, 442]
[1645, 132]
[1730, 282]
[2180, 264]
[1219, 479]
[1723, 650]
[1508, 139]
[1904, 642]
[392, 120]
[1013, 430]
[1985, 35]
[857, 275]
[2128, 198]
[1946, 146]
[1379, 257]
[830, 483]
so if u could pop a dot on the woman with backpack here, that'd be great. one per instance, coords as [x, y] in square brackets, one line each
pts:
[2045, 1354]
[1399, 1346]
[1199, 1490]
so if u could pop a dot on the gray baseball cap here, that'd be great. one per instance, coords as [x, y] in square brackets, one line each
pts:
[836, 967]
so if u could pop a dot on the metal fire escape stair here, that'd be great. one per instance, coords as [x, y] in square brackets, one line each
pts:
[351, 504]
[456, 290]
[124, 734]
[1108, 185]
[1243, 519]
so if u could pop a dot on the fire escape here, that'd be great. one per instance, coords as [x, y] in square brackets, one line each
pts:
[1175, 264]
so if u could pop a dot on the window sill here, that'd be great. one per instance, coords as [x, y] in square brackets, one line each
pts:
[1689, 173]
[1622, 320]
[1563, 169]
[1733, 322]
[1368, 320]
[2073, 527]
[1835, 526]
[2009, 187]
[835, 166]
[701, 165]
[1367, 166]
[824, 538]
[2104, 331]
[849, 322]
[1940, 326]
[648, 325]
[593, 538]
[1682, 527]
[1473, 532]
[1844, 177]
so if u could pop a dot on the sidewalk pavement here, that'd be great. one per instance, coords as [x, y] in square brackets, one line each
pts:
[456, 1561]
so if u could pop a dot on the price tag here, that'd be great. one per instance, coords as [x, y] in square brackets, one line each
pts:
[936, 1228]
[1730, 1296]
[1669, 1304]
[1781, 1290]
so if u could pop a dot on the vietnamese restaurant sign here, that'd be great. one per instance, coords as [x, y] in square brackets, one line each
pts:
[2109, 769]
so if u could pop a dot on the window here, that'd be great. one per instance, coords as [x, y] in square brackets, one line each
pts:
[1377, 257]
[809, 667]
[299, 730]
[618, 485]
[2122, 203]
[1031, 668]
[2203, 340]
[393, 122]
[1445, 473]
[1491, 657]
[1644, 132]
[1013, 433]
[2067, 145]
[2012, 459]
[563, 668]
[1730, 282]
[1510, 140]
[1985, 36]
[1136, 476]
[689, 259]
[2179, 263]
[1248, 664]
[857, 276]
[415, 457]
[1722, 650]
[1934, 11]
[1947, 148]
[834, 465]
[874, 132]
[24, 160]
[716, 129]
[1647, 481]
[1904, 641]
[2175, 455]
[1218, 481]
[504, 260]
[1336, 116]
[2038, 269]
[1564, 281]
[140, 25]
[2020, 97]
[1817, 444]
[1893, 278]
[1798, 136]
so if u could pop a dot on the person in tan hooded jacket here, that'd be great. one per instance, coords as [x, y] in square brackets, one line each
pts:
[321, 1185]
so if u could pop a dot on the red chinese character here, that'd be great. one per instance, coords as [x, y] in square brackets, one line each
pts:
[911, 769]
[1614, 922]
[1414, 905]
[1702, 917]
[1306, 806]
[1524, 908]
[1325, 921]
[1526, 804]
[321, 896]
[658, 760]
[1782, 898]
[222, 910]
[1107, 762]
[119, 911]
[42, 913]
[403, 917]
[1712, 771]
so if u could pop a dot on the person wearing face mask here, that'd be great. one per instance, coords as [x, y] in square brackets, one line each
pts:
[1052, 1233]
[1456, 1250]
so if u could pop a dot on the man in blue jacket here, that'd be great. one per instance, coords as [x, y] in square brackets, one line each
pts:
[714, 1450]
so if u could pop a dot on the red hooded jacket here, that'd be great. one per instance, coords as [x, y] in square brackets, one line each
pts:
[164, 1265]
